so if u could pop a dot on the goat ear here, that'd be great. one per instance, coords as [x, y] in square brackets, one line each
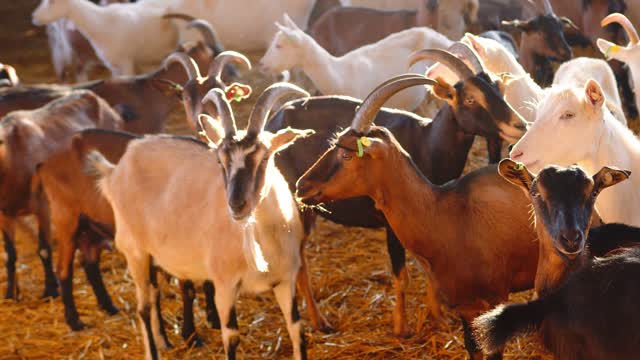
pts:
[608, 176]
[444, 90]
[167, 87]
[516, 25]
[475, 44]
[516, 173]
[285, 137]
[593, 94]
[209, 130]
[612, 51]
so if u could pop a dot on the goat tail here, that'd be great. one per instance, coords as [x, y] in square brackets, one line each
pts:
[493, 329]
[97, 165]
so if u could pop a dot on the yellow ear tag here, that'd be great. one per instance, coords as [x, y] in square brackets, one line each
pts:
[612, 49]
[518, 166]
[363, 141]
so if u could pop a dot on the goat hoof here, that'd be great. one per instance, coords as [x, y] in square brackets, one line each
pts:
[403, 333]
[110, 309]
[195, 341]
[76, 325]
[324, 326]
[11, 295]
[214, 322]
[50, 292]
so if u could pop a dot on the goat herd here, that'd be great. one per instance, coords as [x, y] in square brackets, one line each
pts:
[232, 208]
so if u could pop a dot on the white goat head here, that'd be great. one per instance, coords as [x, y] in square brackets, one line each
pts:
[49, 11]
[614, 51]
[284, 51]
[567, 129]
[246, 156]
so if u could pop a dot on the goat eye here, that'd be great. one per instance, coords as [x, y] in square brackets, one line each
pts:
[469, 101]
[567, 115]
[346, 156]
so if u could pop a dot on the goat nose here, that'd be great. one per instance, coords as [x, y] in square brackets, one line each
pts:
[515, 155]
[237, 205]
[571, 239]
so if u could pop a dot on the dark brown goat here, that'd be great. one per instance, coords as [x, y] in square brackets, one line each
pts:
[495, 236]
[26, 139]
[587, 309]
[439, 147]
[343, 29]
[542, 41]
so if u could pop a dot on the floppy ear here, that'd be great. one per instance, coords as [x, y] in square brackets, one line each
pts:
[516, 173]
[608, 176]
[209, 130]
[444, 91]
[612, 51]
[286, 137]
[593, 94]
[524, 26]
[167, 87]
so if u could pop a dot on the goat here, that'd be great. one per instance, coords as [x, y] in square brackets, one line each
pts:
[542, 41]
[425, 216]
[572, 321]
[331, 75]
[139, 35]
[255, 247]
[8, 76]
[246, 25]
[344, 29]
[452, 18]
[568, 113]
[27, 138]
[438, 147]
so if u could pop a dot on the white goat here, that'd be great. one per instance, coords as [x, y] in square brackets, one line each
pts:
[253, 247]
[629, 54]
[332, 75]
[245, 25]
[573, 126]
[126, 37]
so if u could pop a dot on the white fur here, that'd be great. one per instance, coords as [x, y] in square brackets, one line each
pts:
[592, 138]
[358, 72]
[126, 37]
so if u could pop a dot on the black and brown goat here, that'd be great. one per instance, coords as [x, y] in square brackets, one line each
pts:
[588, 311]
[439, 147]
[542, 41]
[495, 236]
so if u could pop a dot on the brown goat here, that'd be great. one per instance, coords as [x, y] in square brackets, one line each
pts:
[27, 138]
[496, 237]
[343, 29]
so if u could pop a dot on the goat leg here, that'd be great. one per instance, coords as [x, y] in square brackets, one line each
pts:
[400, 276]
[188, 327]
[212, 312]
[66, 250]
[10, 250]
[318, 321]
[90, 246]
[44, 246]
[157, 322]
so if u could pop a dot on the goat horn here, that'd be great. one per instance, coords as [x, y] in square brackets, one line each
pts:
[370, 107]
[445, 58]
[625, 23]
[208, 34]
[187, 62]
[218, 97]
[266, 101]
[464, 51]
[225, 57]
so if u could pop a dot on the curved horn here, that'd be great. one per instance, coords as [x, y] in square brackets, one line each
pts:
[625, 23]
[218, 97]
[371, 105]
[266, 101]
[225, 57]
[445, 58]
[187, 63]
[464, 51]
[208, 34]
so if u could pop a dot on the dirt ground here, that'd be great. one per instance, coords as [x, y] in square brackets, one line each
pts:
[349, 268]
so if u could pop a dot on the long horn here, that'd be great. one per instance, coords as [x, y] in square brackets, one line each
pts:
[187, 62]
[445, 58]
[462, 50]
[208, 34]
[371, 105]
[266, 101]
[225, 57]
[625, 23]
[218, 97]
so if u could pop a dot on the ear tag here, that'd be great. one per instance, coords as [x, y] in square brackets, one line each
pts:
[612, 49]
[363, 141]
[518, 166]
[237, 92]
